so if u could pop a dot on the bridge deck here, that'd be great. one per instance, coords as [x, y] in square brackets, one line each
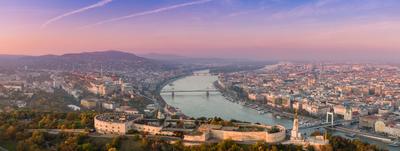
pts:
[323, 125]
[170, 91]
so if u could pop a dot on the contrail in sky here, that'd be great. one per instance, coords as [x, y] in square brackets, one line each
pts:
[149, 12]
[98, 4]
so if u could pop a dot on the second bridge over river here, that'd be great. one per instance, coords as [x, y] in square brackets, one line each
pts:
[206, 91]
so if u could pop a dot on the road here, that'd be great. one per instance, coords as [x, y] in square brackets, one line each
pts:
[363, 134]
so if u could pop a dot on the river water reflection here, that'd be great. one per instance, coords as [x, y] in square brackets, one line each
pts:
[198, 104]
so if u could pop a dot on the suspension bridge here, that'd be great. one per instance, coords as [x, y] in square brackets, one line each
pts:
[207, 91]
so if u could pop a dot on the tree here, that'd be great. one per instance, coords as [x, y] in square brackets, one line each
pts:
[19, 136]
[37, 138]
[71, 116]
[258, 146]
[27, 146]
[225, 145]
[178, 145]
[116, 142]
[326, 148]
[87, 119]
[10, 132]
[87, 147]
[112, 149]
[144, 143]
[274, 148]
[69, 144]
[235, 147]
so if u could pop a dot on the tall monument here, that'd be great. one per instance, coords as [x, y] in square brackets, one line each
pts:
[295, 134]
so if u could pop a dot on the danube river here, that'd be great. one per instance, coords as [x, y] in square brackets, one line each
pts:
[198, 104]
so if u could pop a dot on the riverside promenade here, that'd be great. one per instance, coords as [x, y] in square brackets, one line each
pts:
[362, 134]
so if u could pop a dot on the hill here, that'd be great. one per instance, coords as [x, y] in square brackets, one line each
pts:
[90, 61]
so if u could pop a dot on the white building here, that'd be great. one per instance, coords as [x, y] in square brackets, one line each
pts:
[74, 107]
[108, 105]
[114, 123]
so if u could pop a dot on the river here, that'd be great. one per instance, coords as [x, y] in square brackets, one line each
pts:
[198, 104]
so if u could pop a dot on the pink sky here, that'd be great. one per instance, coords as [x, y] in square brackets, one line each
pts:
[296, 32]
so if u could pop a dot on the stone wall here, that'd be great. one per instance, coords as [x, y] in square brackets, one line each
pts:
[147, 128]
[238, 136]
[250, 136]
[112, 127]
[275, 137]
[197, 138]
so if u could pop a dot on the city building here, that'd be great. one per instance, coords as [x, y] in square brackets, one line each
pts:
[115, 123]
[240, 133]
[120, 123]
[89, 103]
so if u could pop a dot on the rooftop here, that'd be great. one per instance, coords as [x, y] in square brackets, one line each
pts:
[117, 117]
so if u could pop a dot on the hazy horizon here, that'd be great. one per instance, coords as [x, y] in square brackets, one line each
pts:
[259, 29]
[165, 56]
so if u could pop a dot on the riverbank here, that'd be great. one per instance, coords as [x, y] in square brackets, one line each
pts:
[262, 108]
[198, 104]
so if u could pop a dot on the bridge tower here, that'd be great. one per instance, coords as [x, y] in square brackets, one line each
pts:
[208, 93]
[329, 120]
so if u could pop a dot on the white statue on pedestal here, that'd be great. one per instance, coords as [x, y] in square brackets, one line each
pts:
[295, 134]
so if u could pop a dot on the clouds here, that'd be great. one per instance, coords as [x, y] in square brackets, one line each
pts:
[98, 4]
[325, 8]
[149, 12]
[308, 9]
[251, 27]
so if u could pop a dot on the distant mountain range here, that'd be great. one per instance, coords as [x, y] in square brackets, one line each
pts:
[10, 57]
[113, 61]
[87, 61]
[194, 60]
[166, 57]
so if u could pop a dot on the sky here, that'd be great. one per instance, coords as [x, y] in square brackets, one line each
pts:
[253, 29]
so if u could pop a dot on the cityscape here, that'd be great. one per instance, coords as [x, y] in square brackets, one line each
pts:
[199, 75]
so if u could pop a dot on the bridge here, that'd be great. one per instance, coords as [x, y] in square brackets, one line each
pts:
[207, 91]
[323, 125]
[201, 74]
[330, 122]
